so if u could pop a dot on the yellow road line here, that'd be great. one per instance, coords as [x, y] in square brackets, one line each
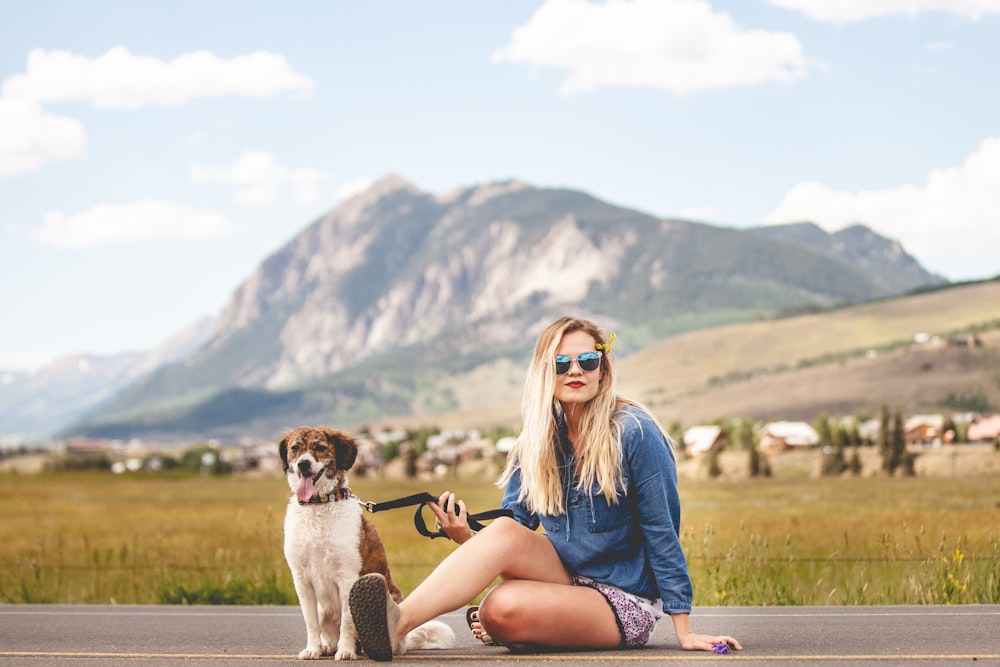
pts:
[547, 657]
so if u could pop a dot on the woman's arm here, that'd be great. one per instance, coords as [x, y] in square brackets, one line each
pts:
[653, 481]
[652, 466]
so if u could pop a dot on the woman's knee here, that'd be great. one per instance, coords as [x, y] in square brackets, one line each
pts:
[500, 611]
[504, 526]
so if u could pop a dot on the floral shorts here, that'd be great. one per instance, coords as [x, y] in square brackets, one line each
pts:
[636, 615]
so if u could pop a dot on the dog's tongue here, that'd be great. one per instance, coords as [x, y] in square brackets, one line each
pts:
[306, 488]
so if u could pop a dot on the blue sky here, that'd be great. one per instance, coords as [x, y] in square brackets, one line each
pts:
[152, 154]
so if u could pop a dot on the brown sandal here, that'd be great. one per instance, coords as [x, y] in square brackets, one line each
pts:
[472, 616]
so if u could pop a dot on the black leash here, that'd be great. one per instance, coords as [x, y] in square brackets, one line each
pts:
[421, 499]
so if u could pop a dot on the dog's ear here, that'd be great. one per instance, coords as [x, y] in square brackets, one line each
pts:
[283, 452]
[344, 447]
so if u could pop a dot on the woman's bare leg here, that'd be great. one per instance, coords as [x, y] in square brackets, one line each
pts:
[503, 549]
[524, 614]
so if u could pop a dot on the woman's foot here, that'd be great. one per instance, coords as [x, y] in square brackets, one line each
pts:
[375, 616]
[472, 619]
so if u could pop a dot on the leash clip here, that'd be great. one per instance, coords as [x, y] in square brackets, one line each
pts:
[368, 505]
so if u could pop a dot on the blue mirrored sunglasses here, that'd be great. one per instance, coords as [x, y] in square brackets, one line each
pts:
[589, 361]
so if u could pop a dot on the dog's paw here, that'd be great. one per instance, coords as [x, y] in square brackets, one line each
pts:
[345, 654]
[311, 653]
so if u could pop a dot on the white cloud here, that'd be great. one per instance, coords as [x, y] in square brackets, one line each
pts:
[679, 45]
[258, 177]
[119, 79]
[850, 11]
[950, 223]
[30, 136]
[144, 220]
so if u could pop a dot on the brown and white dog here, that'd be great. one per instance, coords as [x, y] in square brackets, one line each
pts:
[329, 544]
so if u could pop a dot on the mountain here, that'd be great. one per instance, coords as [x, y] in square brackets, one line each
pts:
[885, 260]
[37, 404]
[376, 307]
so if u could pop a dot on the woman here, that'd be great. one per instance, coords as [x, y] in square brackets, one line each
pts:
[598, 473]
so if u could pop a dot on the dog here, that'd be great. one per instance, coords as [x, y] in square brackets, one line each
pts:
[329, 544]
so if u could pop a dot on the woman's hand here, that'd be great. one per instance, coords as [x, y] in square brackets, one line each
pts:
[689, 641]
[710, 643]
[450, 514]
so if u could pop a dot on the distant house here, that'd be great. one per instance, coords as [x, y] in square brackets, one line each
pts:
[923, 429]
[781, 436]
[87, 446]
[700, 439]
[985, 429]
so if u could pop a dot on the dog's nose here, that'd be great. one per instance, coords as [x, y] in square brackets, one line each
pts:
[305, 466]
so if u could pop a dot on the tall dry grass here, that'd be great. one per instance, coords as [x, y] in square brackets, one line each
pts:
[96, 538]
[852, 541]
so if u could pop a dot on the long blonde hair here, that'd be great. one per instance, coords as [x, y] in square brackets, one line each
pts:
[535, 453]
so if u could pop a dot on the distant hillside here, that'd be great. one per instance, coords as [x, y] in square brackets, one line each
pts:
[375, 308]
[37, 404]
[843, 362]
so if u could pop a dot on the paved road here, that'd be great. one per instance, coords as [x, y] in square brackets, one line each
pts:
[35, 635]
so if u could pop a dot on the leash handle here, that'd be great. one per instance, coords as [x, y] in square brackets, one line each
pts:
[474, 521]
[421, 499]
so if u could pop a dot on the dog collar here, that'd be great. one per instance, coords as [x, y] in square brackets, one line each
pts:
[321, 498]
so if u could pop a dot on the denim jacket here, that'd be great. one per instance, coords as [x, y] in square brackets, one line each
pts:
[634, 544]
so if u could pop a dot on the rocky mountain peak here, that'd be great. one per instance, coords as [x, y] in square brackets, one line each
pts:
[394, 287]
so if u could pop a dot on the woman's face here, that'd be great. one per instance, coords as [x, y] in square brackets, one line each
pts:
[577, 385]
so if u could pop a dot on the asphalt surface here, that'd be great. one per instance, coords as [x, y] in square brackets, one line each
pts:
[37, 635]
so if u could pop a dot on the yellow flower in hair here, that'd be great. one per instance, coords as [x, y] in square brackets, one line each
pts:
[606, 347]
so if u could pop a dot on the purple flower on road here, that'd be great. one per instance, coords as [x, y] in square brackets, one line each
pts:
[721, 648]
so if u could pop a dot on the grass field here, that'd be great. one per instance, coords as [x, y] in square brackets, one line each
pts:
[96, 538]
